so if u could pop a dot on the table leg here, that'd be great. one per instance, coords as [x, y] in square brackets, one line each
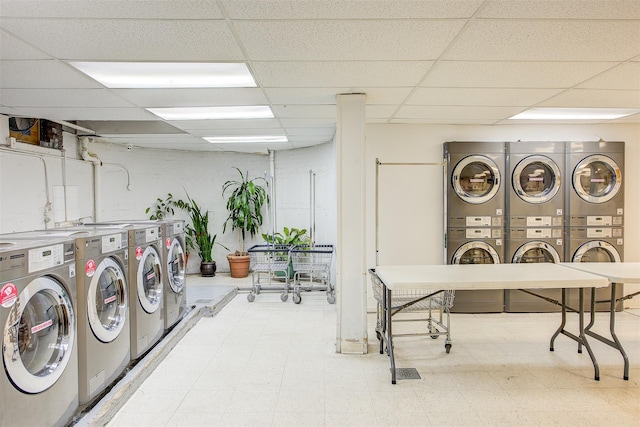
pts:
[583, 337]
[564, 319]
[388, 310]
[612, 326]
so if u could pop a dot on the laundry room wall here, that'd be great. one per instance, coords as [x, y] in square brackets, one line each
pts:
[423, 144]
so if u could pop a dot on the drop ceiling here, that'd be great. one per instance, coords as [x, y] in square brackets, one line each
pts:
[452, 62]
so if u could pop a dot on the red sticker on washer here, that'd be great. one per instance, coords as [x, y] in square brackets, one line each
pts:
[90, 268]
[138, 253]
[168, 242]
[8, 295]
[41, 326]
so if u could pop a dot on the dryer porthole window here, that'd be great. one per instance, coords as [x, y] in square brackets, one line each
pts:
[597, 179]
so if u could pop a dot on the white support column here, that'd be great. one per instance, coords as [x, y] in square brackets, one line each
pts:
[351, 270]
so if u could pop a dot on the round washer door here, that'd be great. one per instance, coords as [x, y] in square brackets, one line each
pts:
[533, 252]
[476, 179]
[39, 335]
[107, 301]
[149, 280]
[597, 179]
[475, 253]
[536, 179]
[176, 266]
[596, 251]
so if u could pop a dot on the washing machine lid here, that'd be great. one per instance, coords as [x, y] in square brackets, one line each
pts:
[149, 280]
[107, 307]
[536, 179]
[39, 335]
[534, 252]
[476, 179]
[597, 179]
[176, 266]
[596, 251]
[475, 252]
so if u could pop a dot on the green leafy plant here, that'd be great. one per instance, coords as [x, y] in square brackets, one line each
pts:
[289, 236]
[245, 205]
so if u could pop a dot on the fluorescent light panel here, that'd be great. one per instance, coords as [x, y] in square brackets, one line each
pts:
[249, 138]
[147, 75]
[214, 113]
[573, 114]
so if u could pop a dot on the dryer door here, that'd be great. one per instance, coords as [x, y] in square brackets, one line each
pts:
[475, 252]
[597, 179]
[596, 251]
[176, 266]
[536, 252]
[536, 179]
[476, 179]
[149, 280]
[107, 301]
[39, 335]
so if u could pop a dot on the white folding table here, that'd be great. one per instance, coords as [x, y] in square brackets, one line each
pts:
[437, 278]
[616, 273]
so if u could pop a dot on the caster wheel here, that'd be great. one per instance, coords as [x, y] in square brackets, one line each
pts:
[284, 297]
[433, 331]
[331, 299]
[378, 336]
[251, 297]
[447, 348]
[297, 299]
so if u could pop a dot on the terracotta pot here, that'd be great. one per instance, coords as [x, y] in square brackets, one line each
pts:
[239, 265]
[208, 269]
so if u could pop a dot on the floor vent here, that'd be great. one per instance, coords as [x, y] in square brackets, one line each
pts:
[407, 374]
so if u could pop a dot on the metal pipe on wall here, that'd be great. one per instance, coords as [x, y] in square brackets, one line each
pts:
[312, 207]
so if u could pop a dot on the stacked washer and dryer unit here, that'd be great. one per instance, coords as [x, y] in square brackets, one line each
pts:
[564, 202]
[38, 315]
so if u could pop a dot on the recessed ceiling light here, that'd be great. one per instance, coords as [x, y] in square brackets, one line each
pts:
[214, 113]
[574, 114]
[249, 138]
[148, 75]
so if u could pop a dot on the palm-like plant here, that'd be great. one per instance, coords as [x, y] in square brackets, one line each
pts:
[245, 205]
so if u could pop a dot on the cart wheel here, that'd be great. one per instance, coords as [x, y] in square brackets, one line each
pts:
[284, 297]
[297, 299]
[251, 297]
[331, 299]
[378, 335]
[447, 348]
[433, 331]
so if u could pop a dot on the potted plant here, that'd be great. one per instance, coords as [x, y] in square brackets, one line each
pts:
[197, 233]
[164, 207]
[291, 237]
[244, 204]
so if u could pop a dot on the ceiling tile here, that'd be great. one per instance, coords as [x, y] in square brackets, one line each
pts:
[380, 111]
[525, 40]
[340, 73]
[63, 98]
[462, 112]
[125, 9]
[13, 48]
[624, 76]
[309, 131]
[384, 95]
[353, 9]
[225, 124]
[42, 74]
[526, 74]
[595, 98]
[128, 39]
[553, 9]
[289, 123]
[347, 40]
[479, 96]
[238, 131]
[198, 97]
[84, 113]
[428, 121]
[304, 111]
[310, 95]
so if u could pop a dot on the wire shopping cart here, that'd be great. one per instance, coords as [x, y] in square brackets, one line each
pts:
[417, 301]
[270, 263]
[312, 263]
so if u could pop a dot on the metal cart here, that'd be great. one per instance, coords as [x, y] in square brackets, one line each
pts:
[312, 263]
[270, 264]
[417, 301]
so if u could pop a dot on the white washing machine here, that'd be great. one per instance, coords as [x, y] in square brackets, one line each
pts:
[536, 194]
[102, 262]
[39, 374]
[173, 266]
[533, 245]
[475, 195]
[596, 197]
[597, 244]
[476, 246]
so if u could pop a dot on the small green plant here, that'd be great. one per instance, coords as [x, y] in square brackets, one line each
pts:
[289, 236]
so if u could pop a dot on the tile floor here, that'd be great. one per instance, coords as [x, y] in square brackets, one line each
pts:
[270, 363]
